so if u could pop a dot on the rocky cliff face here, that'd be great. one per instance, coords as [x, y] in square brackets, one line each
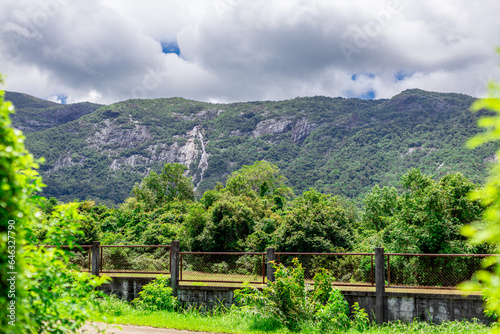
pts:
[114, 140]
[302, 129]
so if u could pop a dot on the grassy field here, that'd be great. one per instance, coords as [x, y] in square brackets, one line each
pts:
[117, 312]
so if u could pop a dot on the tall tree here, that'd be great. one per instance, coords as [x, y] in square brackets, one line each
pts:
[156, 190]
[314, 223]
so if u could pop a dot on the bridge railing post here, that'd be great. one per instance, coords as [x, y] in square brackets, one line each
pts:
[269, 265]
[174, 266]
[96, 258]
[379, 284]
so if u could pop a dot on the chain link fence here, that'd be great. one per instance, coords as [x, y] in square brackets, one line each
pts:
[79, 256]
[230, 267]
[355, 269]
[421, 271]
[436, 271]
[137, 259]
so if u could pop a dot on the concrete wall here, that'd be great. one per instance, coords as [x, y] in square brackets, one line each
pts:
[125, 288]
[397, 306]
[205, 296]
[422, 306]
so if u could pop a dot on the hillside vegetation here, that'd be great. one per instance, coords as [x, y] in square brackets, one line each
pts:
[339, 146]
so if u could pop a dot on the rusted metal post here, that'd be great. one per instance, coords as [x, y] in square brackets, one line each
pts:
[174, 266]
[379, 284]
[180, 271]
[388, 270]
[95, 258]
[269, 268]
[371, 270]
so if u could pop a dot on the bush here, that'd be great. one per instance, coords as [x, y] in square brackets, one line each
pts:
[288, 301]
[221, 268]
[334, 314]
[157, 296]
[248, 265]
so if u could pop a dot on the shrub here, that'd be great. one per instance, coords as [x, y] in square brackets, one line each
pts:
[334, 314]
[288, 301]
[157, 296]
[221, 268]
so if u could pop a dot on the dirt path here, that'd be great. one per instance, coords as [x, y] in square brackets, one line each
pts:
[129, 329]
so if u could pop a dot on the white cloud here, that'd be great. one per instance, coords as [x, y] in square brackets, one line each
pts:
[232, 50]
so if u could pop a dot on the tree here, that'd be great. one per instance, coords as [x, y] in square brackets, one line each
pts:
[261, 179]
[230, 222]
[430, 214]
[155, 190]
[314, 223]
[380, 205]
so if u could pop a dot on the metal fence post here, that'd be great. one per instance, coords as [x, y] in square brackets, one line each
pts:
[95, 258]
[379, 284]
[174, 266]
[269, 266]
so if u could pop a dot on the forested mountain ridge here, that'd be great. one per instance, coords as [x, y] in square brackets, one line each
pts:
[340, 146]
[33, 114]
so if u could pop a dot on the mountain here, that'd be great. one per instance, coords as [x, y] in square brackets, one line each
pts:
[33, 114]
[340, 146]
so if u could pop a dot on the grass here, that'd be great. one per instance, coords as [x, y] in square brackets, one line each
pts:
[114, 311]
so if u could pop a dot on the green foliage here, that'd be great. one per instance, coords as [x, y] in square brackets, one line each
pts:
[488, 230]
[48, 297]
[261, 179]
[380, 205]
[425, 218]
[57, 295]
[323, 287]
[283, 301]
[156, 190]
[18, 181]
[230, 222]
[157, 295]
[316, 223]
[236, 321]
[360, 319]
[334, 315]
[288, 301]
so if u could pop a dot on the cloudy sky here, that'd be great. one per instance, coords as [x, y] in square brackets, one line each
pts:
[246, 50]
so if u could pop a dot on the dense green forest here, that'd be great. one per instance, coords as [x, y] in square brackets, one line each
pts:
[255, 210]
[338, 146]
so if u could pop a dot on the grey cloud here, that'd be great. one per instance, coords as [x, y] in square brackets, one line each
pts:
[246, 50]
[82, 45]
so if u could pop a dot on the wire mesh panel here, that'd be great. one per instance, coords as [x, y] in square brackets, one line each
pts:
[143, 259]
[222, 267]
[444, 271]
[79, 256]
[346, 268]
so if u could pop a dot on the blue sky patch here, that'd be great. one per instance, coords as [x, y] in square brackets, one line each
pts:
[402, 75]
[63, 98]
[368, 95]
[170, 47]
[356, 76]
